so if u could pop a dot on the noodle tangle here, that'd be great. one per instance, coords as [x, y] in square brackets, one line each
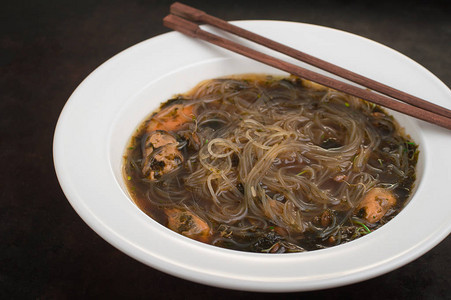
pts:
[275, 163]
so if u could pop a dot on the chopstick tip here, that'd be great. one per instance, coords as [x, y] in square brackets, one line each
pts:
[185, 11]
[179, 24]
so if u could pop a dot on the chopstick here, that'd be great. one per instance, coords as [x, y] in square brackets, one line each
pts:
[196, 15]
[192, 29]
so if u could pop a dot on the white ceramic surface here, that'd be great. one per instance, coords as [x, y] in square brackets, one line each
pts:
[109, 104]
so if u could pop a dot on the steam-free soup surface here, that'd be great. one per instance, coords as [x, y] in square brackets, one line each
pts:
[267, 164]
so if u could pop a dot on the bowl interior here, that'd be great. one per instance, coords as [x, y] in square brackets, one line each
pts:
[143, 103]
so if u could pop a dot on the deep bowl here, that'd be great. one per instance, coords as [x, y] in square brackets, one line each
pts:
[102, 113]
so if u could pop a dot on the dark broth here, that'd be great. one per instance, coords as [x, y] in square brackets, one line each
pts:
[268, 164]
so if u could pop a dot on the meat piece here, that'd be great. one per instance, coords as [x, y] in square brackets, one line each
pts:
[161, 155]
[375, 204]
[171, 118]
[155, 140]
[188, 224]
[165, 160]
[160, 138]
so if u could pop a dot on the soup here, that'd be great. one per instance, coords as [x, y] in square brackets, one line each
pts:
[269, 164]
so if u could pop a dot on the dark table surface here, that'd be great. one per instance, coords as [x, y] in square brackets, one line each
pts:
[49, 47]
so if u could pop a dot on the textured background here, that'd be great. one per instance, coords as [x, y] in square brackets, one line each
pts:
[49, 47]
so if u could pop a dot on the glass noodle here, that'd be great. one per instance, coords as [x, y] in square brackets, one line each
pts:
[270, 164]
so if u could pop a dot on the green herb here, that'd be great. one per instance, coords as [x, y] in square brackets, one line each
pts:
[271, 227]
[380, 161]
[300, 173]
[206, 141]
[362, 225]
[131, 148]
[346, 104]
[129, 178]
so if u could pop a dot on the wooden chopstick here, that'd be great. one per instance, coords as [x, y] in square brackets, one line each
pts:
[192, 29]
[193, 14]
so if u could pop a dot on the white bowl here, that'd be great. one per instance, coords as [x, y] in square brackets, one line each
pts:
[100, 116]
